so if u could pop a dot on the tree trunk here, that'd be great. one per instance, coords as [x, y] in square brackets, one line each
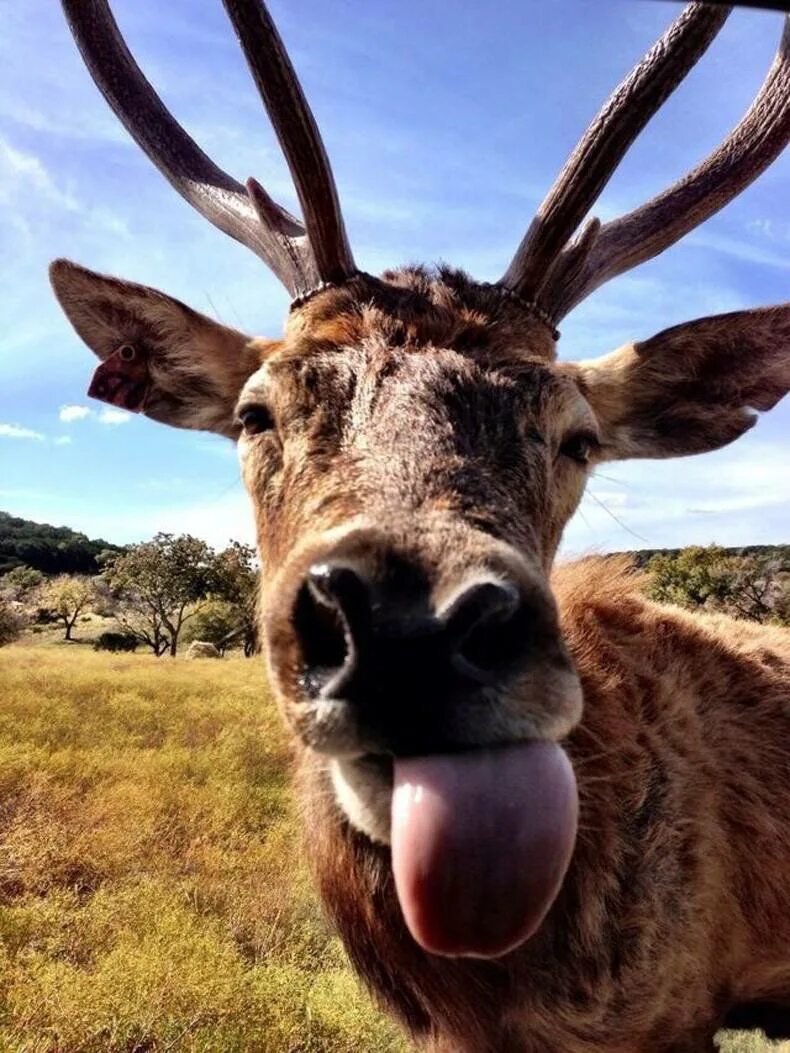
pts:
[69, 627]
[173, 644]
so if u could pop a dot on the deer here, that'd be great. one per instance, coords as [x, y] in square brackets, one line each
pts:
[543, 812]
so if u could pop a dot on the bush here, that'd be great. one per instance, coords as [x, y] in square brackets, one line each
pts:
[20, 583]
[215, 623]
[110, 641]
[12, 622]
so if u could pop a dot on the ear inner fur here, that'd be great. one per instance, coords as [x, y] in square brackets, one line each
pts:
[122, 380]
[692, 388]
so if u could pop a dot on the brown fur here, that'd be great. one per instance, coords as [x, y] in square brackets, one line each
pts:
[420, 418]
[675, 907]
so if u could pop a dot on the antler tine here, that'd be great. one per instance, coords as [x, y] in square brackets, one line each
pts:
[298, 134]
[748, 150]
[278, 238]
[613, 130]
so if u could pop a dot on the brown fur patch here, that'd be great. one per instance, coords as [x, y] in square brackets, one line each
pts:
[664, 922]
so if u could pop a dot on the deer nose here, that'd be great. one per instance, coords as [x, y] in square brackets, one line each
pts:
[363, 639]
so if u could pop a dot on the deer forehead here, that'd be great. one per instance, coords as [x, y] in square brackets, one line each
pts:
[367, 379]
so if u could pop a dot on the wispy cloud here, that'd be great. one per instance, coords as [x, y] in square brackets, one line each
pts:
[71, 413]
[22, 173]
[744, 251]
[731, 496]
[96, 126]
[62, 440]
[16, 431]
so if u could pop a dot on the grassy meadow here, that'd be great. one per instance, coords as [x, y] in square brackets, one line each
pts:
[153, 895]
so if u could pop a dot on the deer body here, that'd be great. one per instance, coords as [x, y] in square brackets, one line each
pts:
[543, 813]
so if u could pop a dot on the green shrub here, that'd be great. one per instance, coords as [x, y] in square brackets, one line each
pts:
[115, 641]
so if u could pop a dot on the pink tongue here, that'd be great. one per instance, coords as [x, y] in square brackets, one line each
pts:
[480, 844]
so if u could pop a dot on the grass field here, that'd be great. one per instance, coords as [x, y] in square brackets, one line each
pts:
[152, 891]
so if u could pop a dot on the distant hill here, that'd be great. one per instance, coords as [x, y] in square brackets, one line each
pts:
[50, 549]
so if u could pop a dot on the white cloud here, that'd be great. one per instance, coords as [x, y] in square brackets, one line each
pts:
[62, 440]
[71, 413]
[114, 416]
[16, 431]
[77, 122]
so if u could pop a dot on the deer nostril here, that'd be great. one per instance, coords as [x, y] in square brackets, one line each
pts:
[485, 631]
[332, 609]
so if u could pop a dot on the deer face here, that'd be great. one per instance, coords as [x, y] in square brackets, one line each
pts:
[413, 452]
[409, 501]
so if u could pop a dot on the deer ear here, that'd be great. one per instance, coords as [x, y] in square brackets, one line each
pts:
[159, 357]
[691, 388]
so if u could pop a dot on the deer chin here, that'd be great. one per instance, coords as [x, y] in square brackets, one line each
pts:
[480, 840]
[363, 790]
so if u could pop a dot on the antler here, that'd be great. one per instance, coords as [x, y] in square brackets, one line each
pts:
[300, 258]
[623, 243]
[298, 134]
[559, 275]
[600, 150]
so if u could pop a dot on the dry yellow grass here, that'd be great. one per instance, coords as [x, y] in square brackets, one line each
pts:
[152, 892]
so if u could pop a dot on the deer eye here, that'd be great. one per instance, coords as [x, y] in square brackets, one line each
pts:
[580, 447]
[255, 419]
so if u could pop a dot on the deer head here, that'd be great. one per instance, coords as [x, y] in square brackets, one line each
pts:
[413, 450]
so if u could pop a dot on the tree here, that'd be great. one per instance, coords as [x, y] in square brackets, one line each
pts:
[66, 597]
[54, 550]
[236, 581]
[694, 577]
[141, 620]
[755, 588]
[159, 585]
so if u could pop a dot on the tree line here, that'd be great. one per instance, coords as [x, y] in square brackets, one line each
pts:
[152, 591]
[157, 591]
[752, 585]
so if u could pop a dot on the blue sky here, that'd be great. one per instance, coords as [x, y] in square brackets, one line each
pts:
[445, 127]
